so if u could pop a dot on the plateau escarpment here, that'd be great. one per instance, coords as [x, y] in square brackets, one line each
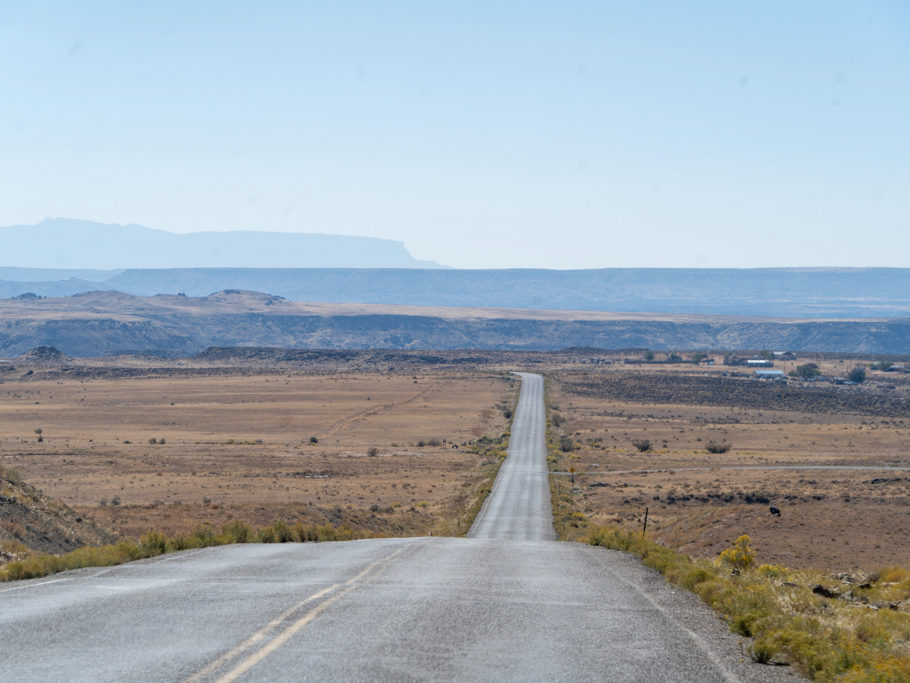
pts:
[828, 293]
[103, 323]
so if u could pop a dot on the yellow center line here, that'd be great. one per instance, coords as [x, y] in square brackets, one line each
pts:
[284, 636]
[258, 636]
[280, 639]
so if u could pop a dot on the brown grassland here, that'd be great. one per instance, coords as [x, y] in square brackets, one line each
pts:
[790, 446]
[238, 443]
[382, 453]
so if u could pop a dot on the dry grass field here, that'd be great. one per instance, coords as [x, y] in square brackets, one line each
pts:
[264, 437]
[800, 447]
[375, 451]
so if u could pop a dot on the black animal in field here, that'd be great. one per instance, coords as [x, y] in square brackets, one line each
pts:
[775, 511]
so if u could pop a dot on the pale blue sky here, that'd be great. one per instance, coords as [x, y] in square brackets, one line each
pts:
[482, 134]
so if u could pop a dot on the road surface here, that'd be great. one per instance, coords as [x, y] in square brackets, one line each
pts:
[507, 603]
[518, 507]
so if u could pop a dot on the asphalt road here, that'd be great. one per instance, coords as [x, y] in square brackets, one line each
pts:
[507, 603]
[518, 507]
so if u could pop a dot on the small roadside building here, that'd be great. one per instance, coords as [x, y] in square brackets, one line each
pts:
[760, 363]
[770, 374]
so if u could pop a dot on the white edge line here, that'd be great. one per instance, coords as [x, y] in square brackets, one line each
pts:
[700, 642]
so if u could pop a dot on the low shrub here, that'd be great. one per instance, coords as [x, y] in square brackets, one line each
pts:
[237, 532]
[762, 651]
[282, 532]
[740, 555]
[153, 543]
[857, 374]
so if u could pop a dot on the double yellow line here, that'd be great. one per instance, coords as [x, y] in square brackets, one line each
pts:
[267, 645]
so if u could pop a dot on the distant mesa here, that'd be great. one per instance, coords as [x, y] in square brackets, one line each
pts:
[69, 244]
[814, 293]
[91, 257]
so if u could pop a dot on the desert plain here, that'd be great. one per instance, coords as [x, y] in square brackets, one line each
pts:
[833, 459]
[387, 453]
[404, 444]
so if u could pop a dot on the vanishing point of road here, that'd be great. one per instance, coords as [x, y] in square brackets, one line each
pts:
[506, 603]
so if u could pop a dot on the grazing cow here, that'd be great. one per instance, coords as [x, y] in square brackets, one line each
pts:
[775, 511]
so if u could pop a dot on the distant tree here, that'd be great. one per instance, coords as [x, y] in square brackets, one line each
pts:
[649, 355]
[766, 354]
[883, 365]
[857, 374]
[806, 371]
[698, 357]
[642, 445]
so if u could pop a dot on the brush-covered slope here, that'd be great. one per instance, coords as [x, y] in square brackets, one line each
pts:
[30, 520]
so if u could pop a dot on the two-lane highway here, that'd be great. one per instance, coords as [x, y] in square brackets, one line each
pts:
[518, 508]
[506, 603]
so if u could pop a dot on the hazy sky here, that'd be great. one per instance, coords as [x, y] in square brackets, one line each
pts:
[482, 134]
